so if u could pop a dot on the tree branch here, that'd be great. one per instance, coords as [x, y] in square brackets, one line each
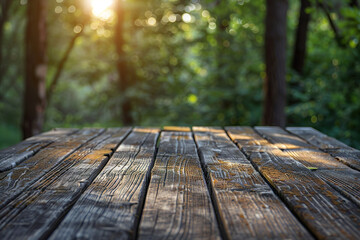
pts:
[60, 67]
[333, 26]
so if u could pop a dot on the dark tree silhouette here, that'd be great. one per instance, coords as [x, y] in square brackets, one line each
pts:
[123, 70]
[35, 69]
[301, 37]
[4, 14]
[275, 60]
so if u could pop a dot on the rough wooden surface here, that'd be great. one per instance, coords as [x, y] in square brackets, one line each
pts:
[344, 179]
[177, 204]
[200, 183]
[317, 138]
[281, 139]
[52, 196]
[315, 203]
[109, 208]
[337, 149]
[18, 179]
[12, 156]
[245, 202]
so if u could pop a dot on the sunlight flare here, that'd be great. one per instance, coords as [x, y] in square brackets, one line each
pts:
[102, 8]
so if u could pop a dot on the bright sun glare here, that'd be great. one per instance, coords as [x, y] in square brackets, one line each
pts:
[102, 8]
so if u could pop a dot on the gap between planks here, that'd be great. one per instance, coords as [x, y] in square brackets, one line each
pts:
[271, 162]
[245, 204]
[336, 173]
[61, 194]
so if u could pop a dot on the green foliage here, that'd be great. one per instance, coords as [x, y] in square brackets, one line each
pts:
[10, 135]
[327, 95]
[191, 63]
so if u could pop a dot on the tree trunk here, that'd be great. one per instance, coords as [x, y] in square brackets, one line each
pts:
[35, 69]
[301, 36]
[275, 60]
[354, 3]
[123, 72]
[5, 6]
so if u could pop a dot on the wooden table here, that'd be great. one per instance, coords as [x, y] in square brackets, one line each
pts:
[178, 183]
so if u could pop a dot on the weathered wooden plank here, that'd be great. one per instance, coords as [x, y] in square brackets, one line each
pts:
[337, 149]
[214, 138]
[178, 205]
[346, 156]
[13, 156]
[317, 138]
[180, 143]
[16, 180]
[309, 157]
[36, 211]
[176, 129]
[338, 175]
[282, 139]
[246, 136]
[109, 208]
[326, 213]
[346, 181]
[246, 203]
[317, 160]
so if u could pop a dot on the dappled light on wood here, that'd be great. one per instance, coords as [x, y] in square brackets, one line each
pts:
[199, 183]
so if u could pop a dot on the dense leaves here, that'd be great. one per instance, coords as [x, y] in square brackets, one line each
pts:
[191, 63]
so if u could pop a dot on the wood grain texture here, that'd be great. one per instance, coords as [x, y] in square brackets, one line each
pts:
[318, 160]
[178, 205]
[346, 156]
[109, 208]
[177, 143]
[337, 149]
[315, 158]
[346, 181]
[317, 138]
[246, 136]
[36, 212]
[326, 213]
[281, 139]
[13, 156]
[246, 203]
[18, 179]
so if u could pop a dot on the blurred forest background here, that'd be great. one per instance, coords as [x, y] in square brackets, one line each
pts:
[183, 62]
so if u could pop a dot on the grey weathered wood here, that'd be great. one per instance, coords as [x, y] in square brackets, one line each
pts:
[178, 205]
[36, 212]
[338, 175]
[318, 161]
[109, 208]
[346, 156]
[317, 138]
[179, 143]
[16, 180]
[346, 181]
[326, 213]
[246, 136]
[246, 203]
[282, 139]
[315, 159]
[337, 149]
[13, 156]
